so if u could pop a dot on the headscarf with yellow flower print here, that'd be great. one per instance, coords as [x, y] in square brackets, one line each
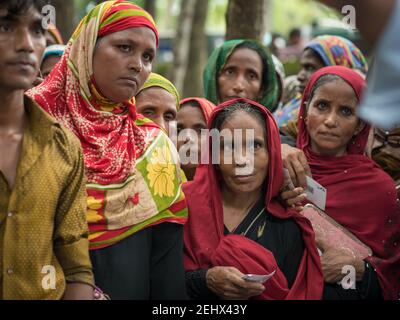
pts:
[132, 172]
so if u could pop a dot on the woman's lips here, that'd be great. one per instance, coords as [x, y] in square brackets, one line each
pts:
[244, 178]
[328, 135]
[131, 81]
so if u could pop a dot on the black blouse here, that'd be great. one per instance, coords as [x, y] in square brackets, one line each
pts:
[282, 237]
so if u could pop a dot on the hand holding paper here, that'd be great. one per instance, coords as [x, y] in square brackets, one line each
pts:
[258, 278]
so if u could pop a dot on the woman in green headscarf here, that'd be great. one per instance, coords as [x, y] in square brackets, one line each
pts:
[241, 69]
[158, 100]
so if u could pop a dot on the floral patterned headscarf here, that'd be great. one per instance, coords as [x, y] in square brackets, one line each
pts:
[131, 168]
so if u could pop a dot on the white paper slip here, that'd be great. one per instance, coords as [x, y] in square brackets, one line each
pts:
[316, 193]
[258, 278]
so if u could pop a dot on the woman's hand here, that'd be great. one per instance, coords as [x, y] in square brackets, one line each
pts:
[294, 198]
[228, 284]
[333, 260]
[296, 162]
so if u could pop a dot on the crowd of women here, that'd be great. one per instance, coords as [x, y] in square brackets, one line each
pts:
[147, 227]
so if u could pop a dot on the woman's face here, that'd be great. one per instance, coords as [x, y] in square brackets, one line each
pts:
[191, 119]
[122, 62]
[310, 62]
[158, 105]
[241, 77]
[248, 169]
[331, 118]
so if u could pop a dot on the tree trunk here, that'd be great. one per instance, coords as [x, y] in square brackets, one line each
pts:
[197, 53]
[268, 20]
[181, 44]
[65, 21]
[150, 7]
[245, 19]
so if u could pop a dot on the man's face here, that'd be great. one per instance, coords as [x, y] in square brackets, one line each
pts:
[22, 43]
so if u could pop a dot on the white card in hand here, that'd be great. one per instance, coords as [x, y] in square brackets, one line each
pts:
[258, 278]
[316, 193]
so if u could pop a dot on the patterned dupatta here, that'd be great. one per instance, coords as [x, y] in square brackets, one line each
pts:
[131, 166]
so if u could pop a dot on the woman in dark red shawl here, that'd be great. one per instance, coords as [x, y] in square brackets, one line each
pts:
[193, 115]
[360, 195]
[268, 238]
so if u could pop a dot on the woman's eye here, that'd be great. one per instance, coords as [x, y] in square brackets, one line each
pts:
[147, 113]
[310, 68]
[148, 57]
[254, 146]
[322, 105]
[347, 111]
[169, 117]
[228, 71]
[125, 48]
[253, 76]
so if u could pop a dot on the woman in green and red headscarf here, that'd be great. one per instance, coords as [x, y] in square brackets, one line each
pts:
[136, 208]
[241, 69]
[158, 100]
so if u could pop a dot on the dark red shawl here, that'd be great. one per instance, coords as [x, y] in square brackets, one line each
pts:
[361, 196]
[207, 246]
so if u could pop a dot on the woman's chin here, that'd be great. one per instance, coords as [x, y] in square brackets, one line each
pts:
[122, 96]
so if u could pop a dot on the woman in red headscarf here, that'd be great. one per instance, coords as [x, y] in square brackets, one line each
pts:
[360, 195]
[192, 118]
[237, 226]
[135, 207]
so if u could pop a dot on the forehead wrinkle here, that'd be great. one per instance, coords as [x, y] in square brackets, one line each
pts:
[332, 95]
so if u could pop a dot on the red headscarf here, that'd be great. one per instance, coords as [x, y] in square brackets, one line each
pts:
[360, 195]
[207, 246]
[110, 139]
[206, 106]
